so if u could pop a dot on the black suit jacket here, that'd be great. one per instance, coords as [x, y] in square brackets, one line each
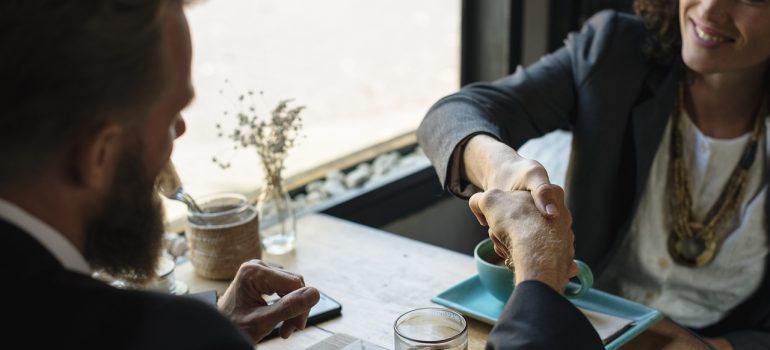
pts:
[616, 102]
[538, 318]
[49, 307]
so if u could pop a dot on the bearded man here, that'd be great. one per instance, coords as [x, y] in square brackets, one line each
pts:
[90, 95]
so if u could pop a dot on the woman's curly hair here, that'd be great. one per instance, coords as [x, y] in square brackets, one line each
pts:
[662, 20]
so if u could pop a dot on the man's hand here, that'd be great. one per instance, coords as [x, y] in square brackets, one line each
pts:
[720, 343]
[538, 248]
[244, 305]
[492, 165]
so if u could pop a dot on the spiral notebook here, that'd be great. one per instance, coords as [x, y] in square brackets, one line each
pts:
[341, 341]
[609, 327]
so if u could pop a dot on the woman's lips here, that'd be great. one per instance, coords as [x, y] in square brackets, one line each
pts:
[707, 37]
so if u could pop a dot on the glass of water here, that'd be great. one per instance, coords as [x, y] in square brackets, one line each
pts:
[431, 328]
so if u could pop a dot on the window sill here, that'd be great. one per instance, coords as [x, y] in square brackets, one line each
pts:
[301, 186]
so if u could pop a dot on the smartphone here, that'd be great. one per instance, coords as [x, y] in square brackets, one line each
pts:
[326, 309]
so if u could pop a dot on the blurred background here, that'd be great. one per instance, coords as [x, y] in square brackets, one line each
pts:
[367, 73]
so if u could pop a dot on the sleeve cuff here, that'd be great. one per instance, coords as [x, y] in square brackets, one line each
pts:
[456, 185]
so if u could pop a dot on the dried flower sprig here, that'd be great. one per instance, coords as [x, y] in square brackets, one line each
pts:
[272, 138]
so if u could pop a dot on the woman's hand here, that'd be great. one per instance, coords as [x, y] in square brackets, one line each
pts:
[244, 305]
[492, 165]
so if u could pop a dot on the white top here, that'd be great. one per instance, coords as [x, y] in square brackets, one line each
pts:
[643, 270]
[60, 247]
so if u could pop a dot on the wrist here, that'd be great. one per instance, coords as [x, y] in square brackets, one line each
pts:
[474, 160]
[481, 156]
[539, 267]
[548, 278]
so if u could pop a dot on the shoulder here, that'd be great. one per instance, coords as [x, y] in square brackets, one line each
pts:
[613, 26]
[608, 38]
[607, 33]
[89, 314]
[620, 20]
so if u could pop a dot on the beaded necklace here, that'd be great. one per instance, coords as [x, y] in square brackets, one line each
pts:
[691, 242]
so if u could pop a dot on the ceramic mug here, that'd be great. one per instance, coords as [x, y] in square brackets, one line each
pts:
[498, 279]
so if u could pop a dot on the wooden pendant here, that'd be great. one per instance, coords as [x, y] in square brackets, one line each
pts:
[691, 251]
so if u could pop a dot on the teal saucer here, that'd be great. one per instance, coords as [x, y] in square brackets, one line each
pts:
[471, 299]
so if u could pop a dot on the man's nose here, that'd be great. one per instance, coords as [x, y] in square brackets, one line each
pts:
[179, 126]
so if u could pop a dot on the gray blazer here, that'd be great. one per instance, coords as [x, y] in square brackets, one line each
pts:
[603, 88]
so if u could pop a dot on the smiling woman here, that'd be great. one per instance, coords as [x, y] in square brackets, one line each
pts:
[725, 36]
[365, 70]
[667, 183]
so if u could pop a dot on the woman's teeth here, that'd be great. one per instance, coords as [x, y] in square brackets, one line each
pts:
[703, 35]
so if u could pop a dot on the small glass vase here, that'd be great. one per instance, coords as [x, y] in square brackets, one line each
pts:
[277, 224]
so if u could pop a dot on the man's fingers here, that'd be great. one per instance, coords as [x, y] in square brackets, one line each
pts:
[475, 203]
[500, 249]
[296, 275]
[295, 305]
[288, 327]
[299, 322]
[266, 280]
[573, 269]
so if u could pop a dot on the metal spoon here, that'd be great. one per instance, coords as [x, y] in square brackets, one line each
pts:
[170, 186]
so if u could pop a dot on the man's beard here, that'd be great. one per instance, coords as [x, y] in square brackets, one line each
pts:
[124, 237]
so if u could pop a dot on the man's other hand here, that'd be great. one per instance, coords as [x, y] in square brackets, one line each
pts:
[243, 302]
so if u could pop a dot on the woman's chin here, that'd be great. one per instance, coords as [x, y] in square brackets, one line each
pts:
[702, 65]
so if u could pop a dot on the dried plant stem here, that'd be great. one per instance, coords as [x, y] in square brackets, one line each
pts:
[272, 139]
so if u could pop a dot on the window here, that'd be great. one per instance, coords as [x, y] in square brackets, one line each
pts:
[367, 71]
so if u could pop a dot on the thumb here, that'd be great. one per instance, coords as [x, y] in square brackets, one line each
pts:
[537, 182]
[296, 304]
[545, 197]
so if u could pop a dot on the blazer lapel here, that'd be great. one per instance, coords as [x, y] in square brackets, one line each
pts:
[649, 120]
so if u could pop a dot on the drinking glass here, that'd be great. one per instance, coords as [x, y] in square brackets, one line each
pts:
[431, 329]
[223, 235]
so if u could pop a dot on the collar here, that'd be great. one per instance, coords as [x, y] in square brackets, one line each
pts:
[47, 236]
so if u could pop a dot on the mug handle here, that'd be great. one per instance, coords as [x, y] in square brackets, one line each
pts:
[586, 278]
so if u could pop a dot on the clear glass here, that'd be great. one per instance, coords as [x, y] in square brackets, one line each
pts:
[164, 282]
[223, 236]
[432, 329]
[277, 224]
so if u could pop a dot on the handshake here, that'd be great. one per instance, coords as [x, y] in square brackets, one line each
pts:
[535, 246]
[528, 220]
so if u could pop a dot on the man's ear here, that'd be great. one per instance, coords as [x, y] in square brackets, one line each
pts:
[98, 156]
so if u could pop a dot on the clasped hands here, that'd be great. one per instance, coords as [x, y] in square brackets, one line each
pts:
[528, 221]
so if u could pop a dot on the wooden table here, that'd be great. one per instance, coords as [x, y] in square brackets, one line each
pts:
[377, 276]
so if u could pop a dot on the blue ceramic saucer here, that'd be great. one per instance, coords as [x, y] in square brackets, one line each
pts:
[471, 299]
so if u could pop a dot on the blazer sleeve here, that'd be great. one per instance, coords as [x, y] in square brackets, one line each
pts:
[186, 323]
[749, 339]
[525, 105]
[538, 318]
